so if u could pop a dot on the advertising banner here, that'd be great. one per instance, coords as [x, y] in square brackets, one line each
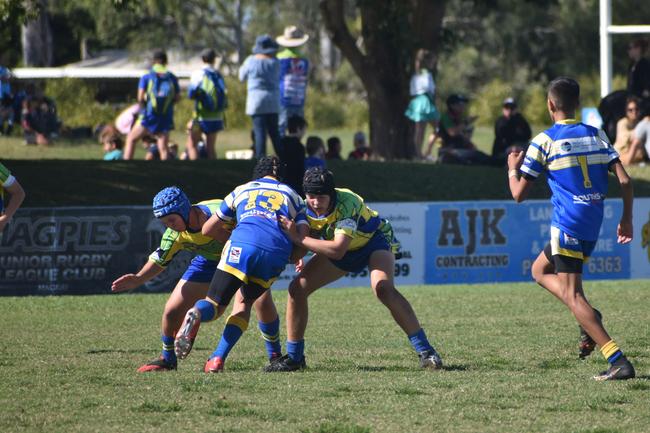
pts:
[80, 250]
[640, 247]
[491, 241]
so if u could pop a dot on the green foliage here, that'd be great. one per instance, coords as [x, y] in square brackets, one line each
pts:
[510, 352]
[76, 104]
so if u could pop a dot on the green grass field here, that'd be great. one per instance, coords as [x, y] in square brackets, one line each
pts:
[68, 364]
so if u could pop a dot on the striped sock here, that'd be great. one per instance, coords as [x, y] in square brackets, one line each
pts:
[271, 335]
[168, 348]
[296, 350]
[419, 341]
[611, 352]
[235, 327]
[207, 310]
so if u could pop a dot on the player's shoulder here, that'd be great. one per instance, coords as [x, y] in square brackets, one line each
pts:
[211, 202]
[347, 200]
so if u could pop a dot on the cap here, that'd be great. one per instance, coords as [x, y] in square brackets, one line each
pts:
[509, 102]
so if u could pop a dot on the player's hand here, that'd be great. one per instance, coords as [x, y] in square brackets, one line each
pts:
[515, 159]
[125, 282]
[4, 220]
[300, 264]
[624, 232]
[290, 228]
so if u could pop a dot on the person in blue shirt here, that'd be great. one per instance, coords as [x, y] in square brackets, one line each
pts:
[261, 72]
[158, 91]
[576, 159]
[208, 90]
[294, 75]
[7, 112]
[315, 152]
[254, 256]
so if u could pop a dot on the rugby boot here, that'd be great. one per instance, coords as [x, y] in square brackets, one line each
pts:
[159, 364]
[587, 344]
[621, 369]
[285, 363]
[214, 365]
[430, 359]
[186, 335]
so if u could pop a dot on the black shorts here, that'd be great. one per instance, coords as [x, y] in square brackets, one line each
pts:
[224, 286]
[564, 264]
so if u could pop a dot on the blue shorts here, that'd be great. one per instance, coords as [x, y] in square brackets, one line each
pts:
[251, 263]
[200, 270]
[357, 260]
[156, 124]
[208, 126]
[563, 244]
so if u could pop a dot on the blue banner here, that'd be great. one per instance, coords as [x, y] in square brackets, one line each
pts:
[492, 241]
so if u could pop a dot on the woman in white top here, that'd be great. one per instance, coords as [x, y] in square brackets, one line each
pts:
[422, 108]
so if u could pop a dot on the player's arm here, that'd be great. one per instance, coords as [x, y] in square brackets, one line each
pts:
[299, 251]
[334, 249]
[16, 198]
[624, 229]
[215, 228]
[519, 186]
[131, 281]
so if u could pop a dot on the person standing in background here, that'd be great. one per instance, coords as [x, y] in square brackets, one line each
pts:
[422, 108]
[294, 71]
[638, 73]
[261, 71]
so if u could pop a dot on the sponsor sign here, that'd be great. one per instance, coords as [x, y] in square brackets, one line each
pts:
[640, 246]
[491, 241]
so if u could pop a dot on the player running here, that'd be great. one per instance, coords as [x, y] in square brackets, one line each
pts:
[576, 158]
[184, 222]
[352, 237]
[253, 258]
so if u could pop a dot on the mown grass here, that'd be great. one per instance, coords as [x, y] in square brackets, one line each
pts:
[68, 364]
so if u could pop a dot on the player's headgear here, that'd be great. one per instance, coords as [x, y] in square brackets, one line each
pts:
[318, 181]
[267, 166]
[172, 200]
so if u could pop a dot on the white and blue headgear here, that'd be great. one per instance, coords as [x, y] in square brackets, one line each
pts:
[172, 200]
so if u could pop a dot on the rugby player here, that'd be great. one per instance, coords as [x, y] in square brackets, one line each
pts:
[9, 185]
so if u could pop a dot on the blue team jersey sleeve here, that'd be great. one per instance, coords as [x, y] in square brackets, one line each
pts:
[227, 210]
[536, 157]
[612, 154]
[144, 81]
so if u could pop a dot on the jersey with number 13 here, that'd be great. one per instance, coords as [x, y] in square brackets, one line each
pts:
[576, 158]
[256, 206]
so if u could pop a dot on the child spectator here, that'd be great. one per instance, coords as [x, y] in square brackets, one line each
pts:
[333, 148]
[39, 121]
[315, 152]
[422, 108]
[113, 145]
[361, 150]
[293, 153]
[6, 102]
[511, 132]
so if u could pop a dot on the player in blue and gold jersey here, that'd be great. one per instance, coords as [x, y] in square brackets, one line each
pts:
[255, 255]
[14, 192]
[184, 222]
[577, 159]
[347, 236]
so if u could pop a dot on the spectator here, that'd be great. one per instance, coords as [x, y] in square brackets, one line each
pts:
[261, 71]
[208, 90]
[361, 149]
[638, 73]
[333, 148]
[113, 145]
[293, 158]
[511, 132]
[158, 91]
[39, 120]
[641, 138]
[422, 108]
[7, 113]
[125, 121]
[315, 153]
[294, 73]
[624, 132]
[456, 133]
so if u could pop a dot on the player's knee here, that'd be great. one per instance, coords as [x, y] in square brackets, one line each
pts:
[297, 289]
[384, 290]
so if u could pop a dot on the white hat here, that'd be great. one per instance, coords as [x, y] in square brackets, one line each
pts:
[292, 37]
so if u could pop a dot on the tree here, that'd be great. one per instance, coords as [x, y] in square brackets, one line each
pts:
[37, 39]
[391, 32]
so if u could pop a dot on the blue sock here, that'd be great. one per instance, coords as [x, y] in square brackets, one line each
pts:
[271, 335]
[168, 348]
[207, 310]
[419, 341]
[296, 350]
[235, 327]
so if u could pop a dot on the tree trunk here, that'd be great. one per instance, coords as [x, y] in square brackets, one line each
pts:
[392, 31]
[37, 40]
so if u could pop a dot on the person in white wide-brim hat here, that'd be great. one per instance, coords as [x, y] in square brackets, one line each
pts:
[294, 70]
